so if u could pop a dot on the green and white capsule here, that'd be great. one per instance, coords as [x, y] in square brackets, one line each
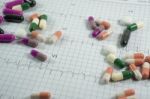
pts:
[34, 24]
[135, 26]
[21, 7]
[43, 21]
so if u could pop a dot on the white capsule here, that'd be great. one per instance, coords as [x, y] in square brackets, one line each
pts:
[126, 21]
[107, 75]
[20, 33]
[111, 58]
[117, 76]
[43, 24]
[109, 49]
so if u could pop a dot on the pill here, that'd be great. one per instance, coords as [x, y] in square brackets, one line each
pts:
[41, 95]
[7, 11]
[107, 75]
[118, 76]
[13, 3]
[145, 70]
[135, 26]
[129, 97]
[136, 72]
[92, 23]
[1, 19]
[29, 42]
[1, 31]
[108, 49]
[38, 55]
[32, 3]
[21, 7]
[34, 15]
[147, 59]
[55, 37]
[34, 24]
[20, 33]
[111, 58]
[37, 36]
[43, 21]
[137, 55]
[126, 93]
[104, 34]
[126, 21]
[97, 31]
[125, 37]
[14, 18]
[7, 38]
[104, 23]
[137, 62]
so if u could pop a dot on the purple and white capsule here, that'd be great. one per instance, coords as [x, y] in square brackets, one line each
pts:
[7, 38]
[29, 42]
[7, 11]
[13, 3]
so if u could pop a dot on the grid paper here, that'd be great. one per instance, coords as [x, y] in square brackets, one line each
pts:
[75, 65]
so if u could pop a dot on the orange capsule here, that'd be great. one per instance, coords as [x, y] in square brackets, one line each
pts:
[137, 55]
[147, 59]
[126, 93]
[104, 34]
[137, 62]
[107, 75]
[41, 95]
[145, 70]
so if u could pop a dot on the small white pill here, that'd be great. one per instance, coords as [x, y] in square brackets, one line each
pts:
[126, 21]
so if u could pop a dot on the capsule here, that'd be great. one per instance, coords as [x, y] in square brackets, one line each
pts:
[7, 38]
[137, 55]
[21, 7]
[126, 93]
[125, 37]
[135, 26]
[1, 19]
[97, 31]
[55, 37]
[137, 62]
[147, 59]
[104, 34]
[14, 18]
[136, 72]
[92, 23]
[116, 61]
[104, 23]
[107, 75]
[145, 70]
[34, 24]
[1, 31]
[38, 55]
[37, 36]
[7, 11]
[13, 3]
[29, 42]
[41, 95]
[21, 33]
[108, 49]
[118, 76]
[129, 97]
[43, 21]
[32, 3]
[125, 21]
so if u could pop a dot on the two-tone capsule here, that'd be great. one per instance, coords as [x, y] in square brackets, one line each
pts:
[29, 42]
[147, 59]
[38, 55]
[137, 55]
[43, 21]
[118, 76]
[21, 7]
[34, 24]
[32, 3]
[14, 18]
[13, 3]
[126, 93]
[137, 62]
[37, 36]
[145, 70]
[107, 75]
[129, 97]
[135, 26]
[41, 95]
[111, 58]
[7, 38]
[136, 72]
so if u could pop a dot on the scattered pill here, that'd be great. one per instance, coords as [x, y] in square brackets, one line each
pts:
[38, 55]
[32, 3]
[147, 59]
[97, 31]
[137, 62]
[34, 24]
[136, 55]
[13, 3]
[126, 21]
[20, 33]
[129, 97]
[92, 23]
[104, 34]
[118, 76]
[116, 61]
[7, 11]
[126, 93]
[135, 26]
[108, 49]
[7, 38]
[107, 75]
[14, 18]
[125, 37]
[43, 21]
[1, 19]
[104, 23]
[1, 31]
[55, 37]
[41, 95]
[21, 7]
[29, 42]
[145, 70]
[136, 72]
[37, 36]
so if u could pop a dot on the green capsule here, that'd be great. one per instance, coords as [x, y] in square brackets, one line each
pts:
[25, 6]
[135, 26]
[127, 74]
[119, 63]
[43, 17]
[33, 26]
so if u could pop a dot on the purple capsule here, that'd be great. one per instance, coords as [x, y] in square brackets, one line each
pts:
[97, 31]
[1, 19]
[7, 38]
[7, 11]
[29, 42]
[13, 3]
[92, 22]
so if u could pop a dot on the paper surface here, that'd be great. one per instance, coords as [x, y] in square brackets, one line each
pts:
[75, 64]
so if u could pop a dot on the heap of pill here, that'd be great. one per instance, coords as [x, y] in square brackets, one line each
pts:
[126, 93]
[41, 95]
[137, 55]
[107, 75]
[43, 21]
